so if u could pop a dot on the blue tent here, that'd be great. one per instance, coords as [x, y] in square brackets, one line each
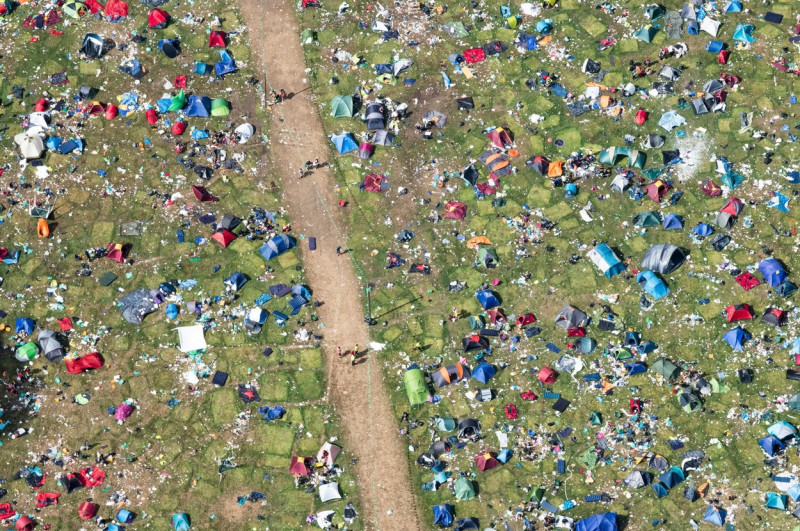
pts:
[199, 106]
[776, 501]
[672, 477]
[736, 337]
[124, 516]
[673, 222]
[732, 180]
[276, 246]
[487, 299]
[236, 281]
[659, 489]
[715, 516]
[782, 430]
[771, 445]
[733, 6]
[598, 522]
[635, 368]
[652, 284]
[505, 455]
[703, 229]
[545, 27]
[483, 372]
[180, 521]
[225, 64]
[794, 492]
[744, 33]
[24, 324]
[773, 271]
[443, 515]
[344, 143]
[606, 260]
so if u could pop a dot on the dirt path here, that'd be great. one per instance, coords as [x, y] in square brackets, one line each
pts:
[358, 393]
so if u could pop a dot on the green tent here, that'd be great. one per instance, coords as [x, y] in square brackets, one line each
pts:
[464, 489]
[596, 419]
[342, 107]
[689, 401]
[647, 219]
[27, 352]
[721, 387]
[622, 354]
[794, 402]
[74, 9]
[488, 257]
[589, 458]
[613, 155]
[416, 388]
[665, 368]
[178, 102]
[456, 29]
[646, 34]
[536, 494]
[654, 12]
[307, 37]
[220, 107]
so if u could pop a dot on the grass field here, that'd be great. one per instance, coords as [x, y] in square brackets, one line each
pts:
[412, 308]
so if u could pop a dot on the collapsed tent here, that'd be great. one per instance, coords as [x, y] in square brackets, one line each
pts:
[570, 317]
[664, 258]
[136, 305]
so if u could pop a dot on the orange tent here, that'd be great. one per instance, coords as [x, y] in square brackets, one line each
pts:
[43, 229]
[556, 168]
[475, 242]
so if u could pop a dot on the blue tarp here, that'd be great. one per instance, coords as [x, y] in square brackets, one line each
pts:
[773, 271]
[226, 65]
[736, 338]
[271, 413]
[180, 521]
[443, 515]
[598, 522]
[483, 372]
[344, 143]
[635, 368]
[25, 324]
[670, 120]
[276, 246]
[487, 299]
[652, 284]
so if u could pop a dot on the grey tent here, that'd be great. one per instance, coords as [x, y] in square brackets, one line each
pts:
[699, 106]
[653, 141]
[713, 86]
[724, 220]
[638, 479]
[620, 183]
[664, 258]
[794, 402]
[374, 116]
[672, 25]
[469, 428]
[665, 368]
[688, 12]
[435, 117]
[50, 345]
[136, 305]
[229, 222]
[383, 138]
[689, 401]
[669, 73]
[570, 317]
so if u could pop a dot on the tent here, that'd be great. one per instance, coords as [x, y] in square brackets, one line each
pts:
[711, 189]
[276, 246]
[774, 316]
[191, 338]
[487, 299]
[24, 523]
[786, 289]
[715, 516]
[225, 65]
[329, 491]
[732, 180]
[298, 466]
[652, 284]
[158, 19]
[782, 430]
[87, 510]
[547, 375]
[744, 33]
[416, 388]
[216, 39]
[736, 338]
[689, 402]
[31, 143]
[673, 222]
[646, 34]
[732, 6]
[93, 46]
[488, 257]
[620, 183]
[771, 445]
[170, 47]
[487, 461]
[24, 324]
[328, 453]
[26, 352]
[374, 116]
[710, 26]
[199, 106]
[724, 220]
[665, 368]
[613, 155]
[598, 522]
[342, 107]
[664, 258]
[647, 219]
[776, 501]
[376, 183]
[464, 490]
[180, 522]
[74, 9]
[483, 372]
[443, 515]
[224, 237]
[474, 342]
[51, 347]
[738, 312]
[500, 137]
[773, 271]
[659, 489]
[469, 429]
[450, 374]
[136, 305]
[733, 206]
[638, 479]
[466, 524]
[538, 164]
[606, 260]
[383, 138]
[703, 229]
[570, 317]
[344, 143]
[220, 107]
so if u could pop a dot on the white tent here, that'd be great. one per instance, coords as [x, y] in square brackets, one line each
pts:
[324, 519]
[191, 338]
[42, 119]
[31, 143]
[333, 453]
[710, 26]
[245, 131]
[329, 491]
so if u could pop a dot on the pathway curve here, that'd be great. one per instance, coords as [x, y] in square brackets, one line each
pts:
[358, 393]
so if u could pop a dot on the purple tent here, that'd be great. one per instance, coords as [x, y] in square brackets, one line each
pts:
[123, 412]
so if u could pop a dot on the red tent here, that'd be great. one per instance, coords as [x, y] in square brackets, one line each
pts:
[6, 511]
[747, 281]
[95, 6]
[526, 319]
[91, 477]
[774, 316]
[711, 189]
[93, 360]
[641, 117]
[202, 194]
[116, 252]
[217, 39]
[739, 312]
[474, 55]
[158, 19]
[41, 105]
[178, 128]
[722, 58]
[298, 466]
[87, 510]
[116, 8]
[547, 375]
[455, 210]
[224, 237]
[500, 137]
[576, 332]
[310, 3]
[111, 111]
[487, 461]
[45, 499]
[152, 117]
[373, 182]
[24, 523]
[656, 190]
[733, 206]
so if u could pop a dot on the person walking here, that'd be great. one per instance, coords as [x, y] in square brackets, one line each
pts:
[339, 351]
[353, 355]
